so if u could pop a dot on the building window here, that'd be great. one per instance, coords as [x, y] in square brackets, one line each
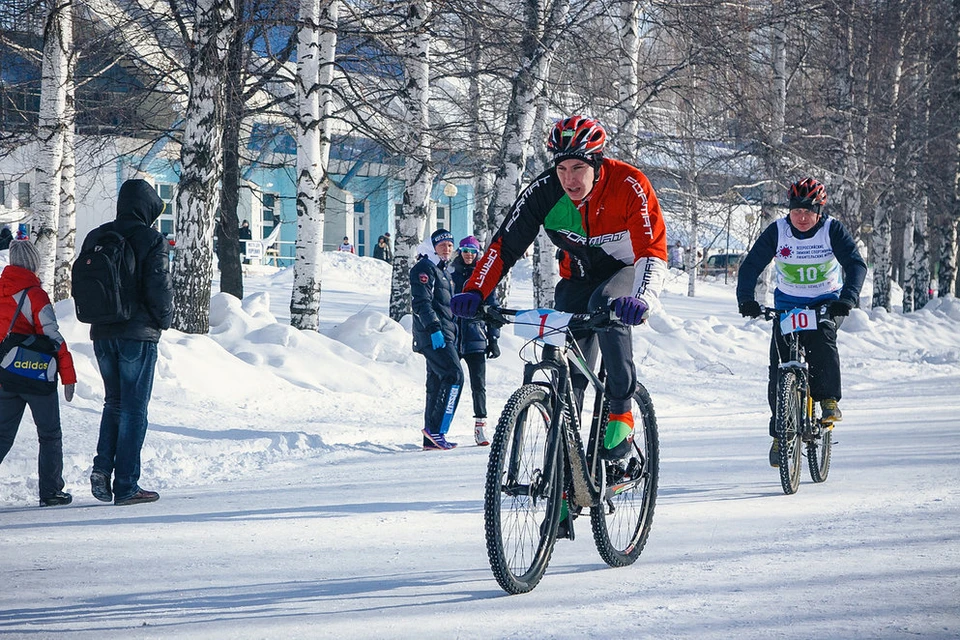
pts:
[360, 218]
[271, 213]
[442, 217]
[3, 193]
[23, 194]
[168, 193]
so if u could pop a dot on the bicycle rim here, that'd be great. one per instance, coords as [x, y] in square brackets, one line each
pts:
[522, 504]
[621, 522]
[789, 414]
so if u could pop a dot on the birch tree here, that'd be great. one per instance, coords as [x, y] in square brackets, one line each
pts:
[57, 46]
[890, 168]
[418, 174]
[948, 281]
[315, 66]
[202, 167]
[67, 226]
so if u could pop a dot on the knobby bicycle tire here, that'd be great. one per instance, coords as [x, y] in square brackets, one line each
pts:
[789, 416]
[621, 523]
[521, 505]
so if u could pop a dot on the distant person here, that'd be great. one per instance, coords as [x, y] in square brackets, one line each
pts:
[127, 350]
[346, 245]
[244, 234]
[476, 340]
[22, 233]
[435, 336]
[676, 255]
[816, 262]
[6, 237]
[382, 250]
[19, 282]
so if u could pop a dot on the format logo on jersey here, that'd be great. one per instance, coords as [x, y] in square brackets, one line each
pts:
[806, 268]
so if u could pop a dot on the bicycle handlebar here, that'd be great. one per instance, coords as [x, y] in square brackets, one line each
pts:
[772, 313]
[500, 316]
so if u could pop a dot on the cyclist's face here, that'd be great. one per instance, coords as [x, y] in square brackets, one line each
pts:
[803, 219]
[444, 250]
[576, 178]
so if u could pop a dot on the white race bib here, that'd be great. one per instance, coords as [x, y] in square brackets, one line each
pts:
[798, 320]
[546, 325]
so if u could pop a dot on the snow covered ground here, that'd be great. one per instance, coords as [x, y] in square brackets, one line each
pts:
[296, 501]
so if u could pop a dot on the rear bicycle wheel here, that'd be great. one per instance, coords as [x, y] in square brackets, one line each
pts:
[621, 522]
[819, 447]
[521, 506]
[789, 414]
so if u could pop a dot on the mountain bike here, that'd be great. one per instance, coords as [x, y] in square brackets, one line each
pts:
[539, 471]
[797, 419]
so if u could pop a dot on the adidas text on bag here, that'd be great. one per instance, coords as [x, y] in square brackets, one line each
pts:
[104, 279]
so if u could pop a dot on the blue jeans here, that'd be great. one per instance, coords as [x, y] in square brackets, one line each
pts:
[126, 367]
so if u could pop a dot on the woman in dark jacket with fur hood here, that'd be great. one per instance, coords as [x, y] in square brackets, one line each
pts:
[476, 340]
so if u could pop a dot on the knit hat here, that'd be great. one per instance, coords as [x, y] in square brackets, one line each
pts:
[470, 242]
[24, 254]
[441, 235]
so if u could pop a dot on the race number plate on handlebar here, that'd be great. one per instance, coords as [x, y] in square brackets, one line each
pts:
[798, 320]
[546, 325]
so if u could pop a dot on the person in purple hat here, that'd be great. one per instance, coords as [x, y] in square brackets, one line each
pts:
[476, 340]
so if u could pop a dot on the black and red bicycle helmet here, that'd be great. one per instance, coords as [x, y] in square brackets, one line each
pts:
[577, 137]
[807, 194]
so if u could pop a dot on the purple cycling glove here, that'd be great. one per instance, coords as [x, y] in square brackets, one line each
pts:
[631, 310]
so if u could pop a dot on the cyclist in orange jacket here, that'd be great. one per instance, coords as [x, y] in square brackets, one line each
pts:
[605, 218]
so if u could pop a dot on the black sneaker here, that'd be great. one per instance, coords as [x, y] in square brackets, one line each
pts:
[58, 499]
[140, 496]
[100, 486]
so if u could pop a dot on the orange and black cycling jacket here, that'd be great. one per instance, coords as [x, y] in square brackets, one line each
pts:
[618, 224]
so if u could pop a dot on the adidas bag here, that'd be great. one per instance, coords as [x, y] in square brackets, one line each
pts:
[28, 362]
[103, 279]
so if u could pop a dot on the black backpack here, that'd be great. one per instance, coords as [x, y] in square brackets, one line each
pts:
[104, 278]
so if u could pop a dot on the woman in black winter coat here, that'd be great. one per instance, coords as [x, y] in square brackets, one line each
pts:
[476, 340]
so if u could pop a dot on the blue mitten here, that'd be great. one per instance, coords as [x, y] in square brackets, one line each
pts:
[437, 339]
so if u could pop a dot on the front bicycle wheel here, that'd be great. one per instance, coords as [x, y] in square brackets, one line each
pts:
[622, 520]
[521, 506]
[819, 447]
[789, 415]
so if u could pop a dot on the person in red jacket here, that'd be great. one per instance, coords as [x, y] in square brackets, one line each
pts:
[19, 280]
[605, 217]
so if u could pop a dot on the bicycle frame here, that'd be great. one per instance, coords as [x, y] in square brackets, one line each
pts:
[796, 362]
[556, 364]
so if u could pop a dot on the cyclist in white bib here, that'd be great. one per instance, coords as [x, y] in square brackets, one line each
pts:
[816, 262]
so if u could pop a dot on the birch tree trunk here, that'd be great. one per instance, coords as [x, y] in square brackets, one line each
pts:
[228, 235]
[538, 45]
[772, 189]
[916, 254]
[947, 277]
[417, 170]
[883, 214]
[852, 65]
[630, 14]
[57, 49]
[67, 227]
[316, 53]
[201, 160]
